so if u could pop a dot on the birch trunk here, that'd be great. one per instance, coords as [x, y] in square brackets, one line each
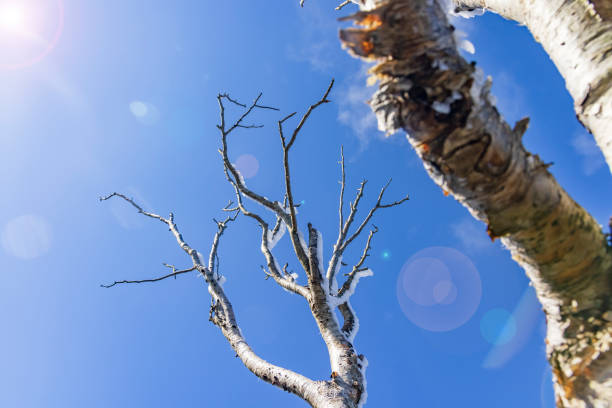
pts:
[577, 35]
[430, 91]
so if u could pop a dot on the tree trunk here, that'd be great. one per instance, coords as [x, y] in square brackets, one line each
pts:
[430, 91]
[577, 35]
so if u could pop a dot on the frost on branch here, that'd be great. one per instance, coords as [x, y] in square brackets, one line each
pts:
[322, 294]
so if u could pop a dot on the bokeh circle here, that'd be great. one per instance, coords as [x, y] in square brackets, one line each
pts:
[27, 236]
[498, 326]
[146, 113]
[247, 165]
[439, 289]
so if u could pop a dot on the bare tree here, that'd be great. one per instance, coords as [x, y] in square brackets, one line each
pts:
[442, 102]
[323, 295]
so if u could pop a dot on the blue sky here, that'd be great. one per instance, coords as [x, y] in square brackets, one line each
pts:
[124, 100]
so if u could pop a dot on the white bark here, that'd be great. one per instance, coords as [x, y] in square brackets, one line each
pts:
[471, 152]
[577, 35]
[347, 387]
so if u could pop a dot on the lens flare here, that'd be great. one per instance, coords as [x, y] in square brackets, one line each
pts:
[146, 113]
[29, 31]
[248, 165]
[498, 326]
[27, 236]
[509, 333]
[439, 289]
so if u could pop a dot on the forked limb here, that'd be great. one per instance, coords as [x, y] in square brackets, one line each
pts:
[346, 388]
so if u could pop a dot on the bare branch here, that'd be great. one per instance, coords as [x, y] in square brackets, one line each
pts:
[221, 226]
[350, 320]
[193, 254]
[174, 274]
[350, 326]
[266, 107]
[308, 112]
[239, 183]
[372, 211]
[222, 313]
[226, 96]
[354, 206]
[293, 225]
[346, 2]
[282, 279]
[133, 203]
[342, 185]
[349, 373]
[359, 265]
[250, 126]
[343, 242]
[343, 230]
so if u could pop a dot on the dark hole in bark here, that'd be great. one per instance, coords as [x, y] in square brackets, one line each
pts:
[418, 94]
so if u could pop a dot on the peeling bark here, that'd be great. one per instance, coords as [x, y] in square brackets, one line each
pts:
[427, 89]
[577, 35]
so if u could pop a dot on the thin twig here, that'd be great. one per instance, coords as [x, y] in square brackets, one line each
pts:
[226, 96]
[293, 226]
[372, 211]
[308, 112]
[342, 184]
[358, 266]
[343, 4]
[226, 162]
[174, 274]
[342, 233]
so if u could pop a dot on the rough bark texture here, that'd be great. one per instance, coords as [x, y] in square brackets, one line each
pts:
[430, 91]
[577, 35]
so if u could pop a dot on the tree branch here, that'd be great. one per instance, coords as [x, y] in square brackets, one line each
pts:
[344, 3]
[222, 315]
[371, 213]
[353, 276]
[274, 207]
[336, 257]
[293, 226]
[343, 242]
[285, 282]
[174, 274]
[577, 36]
[471, 152]
[341, 200]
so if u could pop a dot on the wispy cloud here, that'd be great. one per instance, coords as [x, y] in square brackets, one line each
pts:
[592, 158]
[353, 109]
[318, 45]
[471, 235]
[509, 97]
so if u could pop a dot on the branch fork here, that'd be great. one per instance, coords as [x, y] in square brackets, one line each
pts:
[346, 388]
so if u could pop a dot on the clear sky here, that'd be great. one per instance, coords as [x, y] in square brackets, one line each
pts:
[102, 96]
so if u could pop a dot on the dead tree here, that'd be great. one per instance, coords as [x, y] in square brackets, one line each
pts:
[442, 102]
[322, 293]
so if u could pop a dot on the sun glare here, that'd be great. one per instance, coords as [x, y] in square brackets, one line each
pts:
[29, 31]
[12, 17]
